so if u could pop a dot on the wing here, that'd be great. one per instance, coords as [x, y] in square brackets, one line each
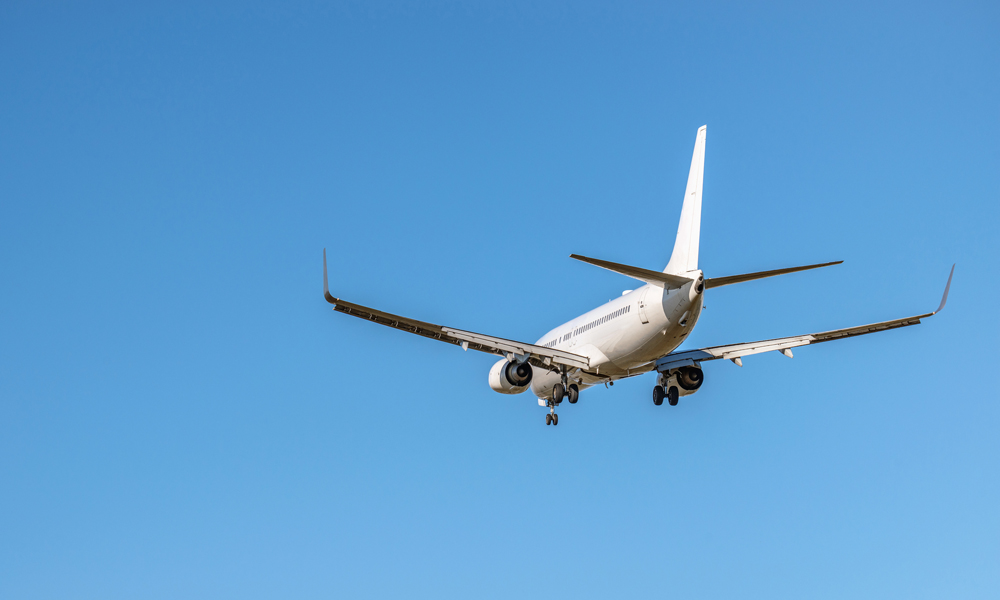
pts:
[539, 356]
[734, 352]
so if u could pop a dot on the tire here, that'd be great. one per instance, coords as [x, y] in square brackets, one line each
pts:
[555, 419]
[558, 392]
[673, 395]
[548, 419]
[573, 393]
[658, 395]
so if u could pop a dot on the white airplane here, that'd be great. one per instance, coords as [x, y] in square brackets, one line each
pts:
[631, 335]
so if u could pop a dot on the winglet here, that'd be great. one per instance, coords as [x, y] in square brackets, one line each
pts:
[947, 287]
[326, 283]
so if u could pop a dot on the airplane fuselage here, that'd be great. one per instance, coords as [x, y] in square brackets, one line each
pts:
[624, 336]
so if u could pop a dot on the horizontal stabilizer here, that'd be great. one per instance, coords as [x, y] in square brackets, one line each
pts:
[714, 282]
[654, 277]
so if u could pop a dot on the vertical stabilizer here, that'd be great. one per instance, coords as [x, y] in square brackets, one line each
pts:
[685, 256]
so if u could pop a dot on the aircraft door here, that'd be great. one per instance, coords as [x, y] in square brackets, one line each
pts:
[642, 305]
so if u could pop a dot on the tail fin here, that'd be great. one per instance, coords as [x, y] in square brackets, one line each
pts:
[685, 256]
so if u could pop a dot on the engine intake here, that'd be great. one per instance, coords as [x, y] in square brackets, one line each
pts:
[510, 378]
[518, 375]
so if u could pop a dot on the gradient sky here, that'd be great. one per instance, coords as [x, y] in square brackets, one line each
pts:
[182, 415]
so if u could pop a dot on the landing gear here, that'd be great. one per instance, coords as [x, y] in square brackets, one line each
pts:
[558, 392]
[672, 395]
[573, 393]
[658, 394]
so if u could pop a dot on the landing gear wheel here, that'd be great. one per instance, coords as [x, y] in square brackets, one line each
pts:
[673, 395]
[658, 395]
[555, 419]
[558, 392]
[548, 419]
[574, 393]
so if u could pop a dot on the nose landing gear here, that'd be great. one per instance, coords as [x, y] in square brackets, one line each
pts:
[552, 418]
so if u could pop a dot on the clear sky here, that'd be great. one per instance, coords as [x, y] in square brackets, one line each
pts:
[183, 416]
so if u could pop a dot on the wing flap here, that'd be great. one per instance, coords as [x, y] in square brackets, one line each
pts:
[502, 346]
[735, 351]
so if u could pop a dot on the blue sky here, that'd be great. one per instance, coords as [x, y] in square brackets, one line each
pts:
[181, 415]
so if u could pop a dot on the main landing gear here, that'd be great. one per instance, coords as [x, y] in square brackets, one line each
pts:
[559, 391]
[672, 395]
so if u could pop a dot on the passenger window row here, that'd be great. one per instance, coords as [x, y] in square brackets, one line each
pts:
[621, 311]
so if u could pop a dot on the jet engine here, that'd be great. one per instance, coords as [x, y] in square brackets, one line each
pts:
[510, 378]
[690, 378]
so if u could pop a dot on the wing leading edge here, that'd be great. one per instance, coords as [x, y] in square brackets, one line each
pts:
[734, 352]
[539, 356]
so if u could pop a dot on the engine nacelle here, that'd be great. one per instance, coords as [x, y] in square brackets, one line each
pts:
[510, 378]
[687, 379]
[690, 378]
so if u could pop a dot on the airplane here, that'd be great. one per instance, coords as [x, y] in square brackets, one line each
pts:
[633, 334]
